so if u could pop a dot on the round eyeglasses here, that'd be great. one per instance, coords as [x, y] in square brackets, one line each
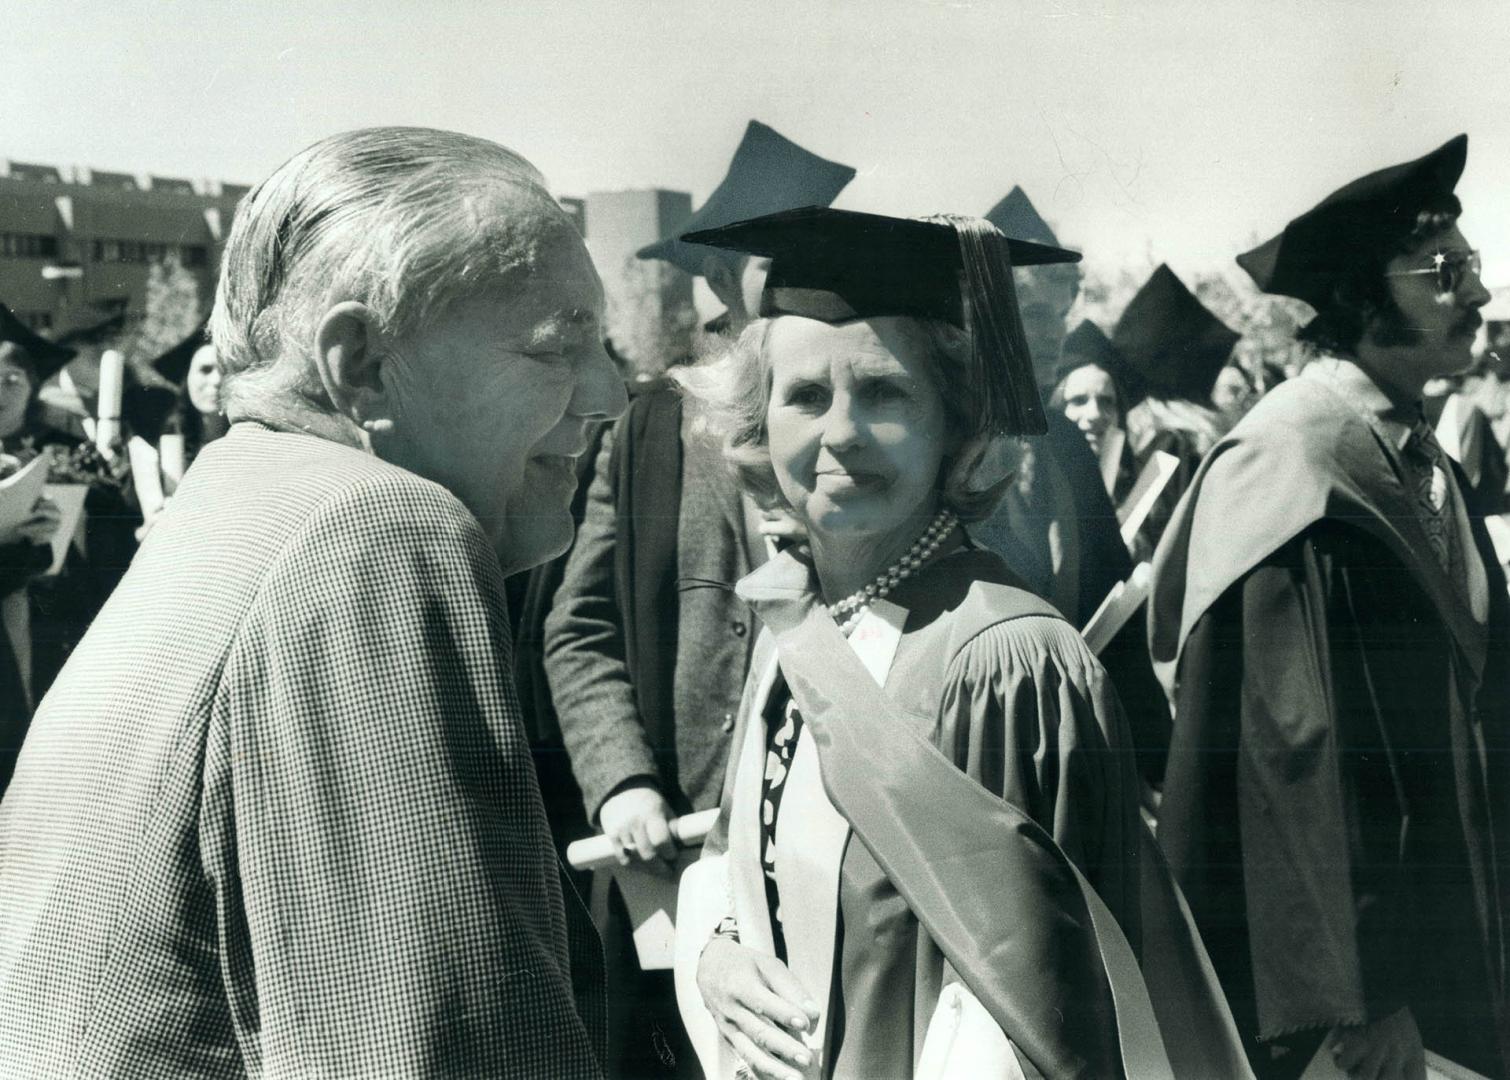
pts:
[1450, 267]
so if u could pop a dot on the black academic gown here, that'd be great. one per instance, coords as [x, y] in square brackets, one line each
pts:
[1337, 828]
[1058, 531]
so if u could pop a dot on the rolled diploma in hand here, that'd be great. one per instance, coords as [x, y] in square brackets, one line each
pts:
[112, 382]
[601, 853]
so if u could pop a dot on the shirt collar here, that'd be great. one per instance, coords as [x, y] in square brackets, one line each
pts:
[1364, 394]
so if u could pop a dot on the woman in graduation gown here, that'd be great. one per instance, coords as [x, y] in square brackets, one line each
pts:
[1092, 390]
[931, 827]
[25, 361]
[196, 419]
[1175, 348]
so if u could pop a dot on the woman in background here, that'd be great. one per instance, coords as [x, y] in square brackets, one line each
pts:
[1094, 384]
[1177, 348]
[196, 418]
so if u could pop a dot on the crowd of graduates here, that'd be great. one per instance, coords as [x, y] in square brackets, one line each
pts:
[1309, 662]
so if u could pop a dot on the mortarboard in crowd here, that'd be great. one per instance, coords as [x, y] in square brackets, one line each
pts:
[1088, 344]
[1016, 216]
[767, 174]
[1173, 343]
[45, 357]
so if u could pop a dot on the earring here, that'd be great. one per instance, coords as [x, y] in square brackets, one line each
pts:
[378, 427]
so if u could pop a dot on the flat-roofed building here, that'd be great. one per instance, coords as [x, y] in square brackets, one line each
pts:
[77, 245]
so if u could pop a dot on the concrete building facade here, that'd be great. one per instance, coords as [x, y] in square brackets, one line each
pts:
[76, 246]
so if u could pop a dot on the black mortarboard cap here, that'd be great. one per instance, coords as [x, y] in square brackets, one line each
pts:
[96, 333]
[768, 173]
[1016, 216]
[45, 356]
[838, 265]
[173, 365]
[1363, 218]
[1088, 344]
[1174, 344]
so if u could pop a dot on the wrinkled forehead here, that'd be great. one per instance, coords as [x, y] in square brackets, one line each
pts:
[884, 344]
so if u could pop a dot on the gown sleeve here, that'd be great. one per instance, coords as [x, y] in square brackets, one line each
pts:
[1029, 714]
[389, 898]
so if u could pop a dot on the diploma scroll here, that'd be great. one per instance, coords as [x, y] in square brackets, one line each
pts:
[601, 853]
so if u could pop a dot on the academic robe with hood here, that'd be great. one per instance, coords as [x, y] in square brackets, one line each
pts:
[943, 837]
[1337, 805]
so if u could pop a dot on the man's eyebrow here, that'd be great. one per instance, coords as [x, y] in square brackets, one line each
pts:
[578, 318]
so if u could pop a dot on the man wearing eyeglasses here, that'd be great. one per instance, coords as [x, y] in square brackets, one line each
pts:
[1336, 636]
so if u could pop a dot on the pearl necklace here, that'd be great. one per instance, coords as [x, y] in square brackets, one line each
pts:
[847, 612]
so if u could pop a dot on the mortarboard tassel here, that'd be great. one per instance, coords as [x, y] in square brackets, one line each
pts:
[1002, 375]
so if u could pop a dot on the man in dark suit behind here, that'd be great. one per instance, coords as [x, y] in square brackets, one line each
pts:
[646, 646]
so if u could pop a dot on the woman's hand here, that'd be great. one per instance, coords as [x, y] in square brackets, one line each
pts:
[1387, 1049]
[637, 819]
[38, 528]
[759, 1008]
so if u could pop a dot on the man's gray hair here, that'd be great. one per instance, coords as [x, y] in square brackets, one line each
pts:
[404, 220]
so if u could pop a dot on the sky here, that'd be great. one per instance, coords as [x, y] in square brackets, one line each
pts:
[1144, 131]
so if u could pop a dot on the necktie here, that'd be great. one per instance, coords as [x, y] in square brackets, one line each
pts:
[1432, 477]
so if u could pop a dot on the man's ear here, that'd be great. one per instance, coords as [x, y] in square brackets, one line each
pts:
[350, 358]
[723, 280]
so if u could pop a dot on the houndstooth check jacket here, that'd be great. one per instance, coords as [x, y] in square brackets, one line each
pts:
[277, 816]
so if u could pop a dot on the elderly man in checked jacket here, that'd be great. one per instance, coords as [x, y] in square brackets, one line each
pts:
[277, 816]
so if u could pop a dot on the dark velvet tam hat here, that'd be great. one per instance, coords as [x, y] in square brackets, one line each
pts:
[839, 265]
[1363, 218]
[1088, 344]
[768, 173]
[173, 365]
[1173, 343]
[1016, 216]
[46, 357]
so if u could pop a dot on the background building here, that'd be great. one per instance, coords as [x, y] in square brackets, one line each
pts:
[651, 317]
[76, 246]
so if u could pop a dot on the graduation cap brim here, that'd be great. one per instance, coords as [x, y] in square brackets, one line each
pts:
[95, 333]
[173, 365]
[46, 357]
[1364, 217]
[836, 265]
[1172, 341]
[768, 173]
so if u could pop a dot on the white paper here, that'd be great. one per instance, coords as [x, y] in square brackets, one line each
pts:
[1140, 501]
[650, 899]
[20, 491]
[70, 500]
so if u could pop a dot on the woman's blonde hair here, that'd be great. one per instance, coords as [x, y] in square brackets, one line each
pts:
[404, 220]
[731, 390]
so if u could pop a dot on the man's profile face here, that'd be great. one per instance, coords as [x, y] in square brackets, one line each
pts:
[1045, 295]
[1438, 324]
[495, 399]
